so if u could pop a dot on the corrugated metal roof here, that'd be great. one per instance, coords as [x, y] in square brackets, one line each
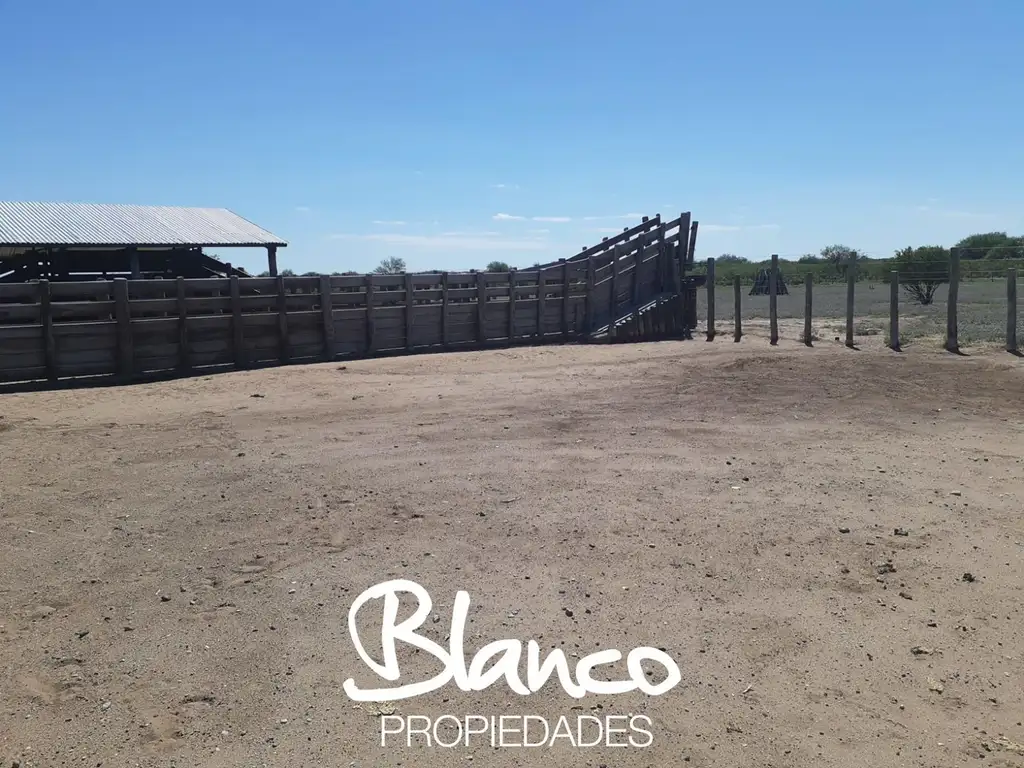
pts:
[82, 224]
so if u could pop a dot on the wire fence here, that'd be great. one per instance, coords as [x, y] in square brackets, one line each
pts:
[986, 303]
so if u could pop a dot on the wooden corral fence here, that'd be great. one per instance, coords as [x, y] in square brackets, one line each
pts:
[952, 343]
[629, 286]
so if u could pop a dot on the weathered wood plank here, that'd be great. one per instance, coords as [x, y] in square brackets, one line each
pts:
[282, 320]
[481, 305]
[370, 313]
[19, 314]
[49, 341]
[327, 317]
[184, 364]
[14, 375]
[122, 314]
[237, 328]
[23, 293]
[511, 329]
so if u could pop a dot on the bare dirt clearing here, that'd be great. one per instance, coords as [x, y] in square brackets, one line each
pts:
[177, 560]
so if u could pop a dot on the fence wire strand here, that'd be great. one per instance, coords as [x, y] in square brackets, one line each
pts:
[922, 306]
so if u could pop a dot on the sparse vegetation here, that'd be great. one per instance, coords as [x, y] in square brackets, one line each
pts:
[922, 270]
[392, 265]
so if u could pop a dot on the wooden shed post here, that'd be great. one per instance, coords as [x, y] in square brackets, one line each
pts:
[133, 262]
[272, 260]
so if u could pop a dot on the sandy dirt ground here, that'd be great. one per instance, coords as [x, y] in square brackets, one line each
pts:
[177, 560]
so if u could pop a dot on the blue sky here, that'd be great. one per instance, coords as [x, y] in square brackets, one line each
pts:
[455, 132]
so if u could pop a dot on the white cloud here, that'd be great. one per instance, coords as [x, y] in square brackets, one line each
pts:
[538, 231]
[470, 234]
[735, 227]
[947, 214]
[549, 219]
[386, 223]
[504, 186]
[616, 216]
[453, 241]
[302, 208]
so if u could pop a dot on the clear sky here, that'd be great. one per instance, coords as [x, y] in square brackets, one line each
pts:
[455, 132]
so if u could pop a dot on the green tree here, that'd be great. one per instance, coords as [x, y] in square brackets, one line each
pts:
[839, 257]
[922, 270]
[810, 258]
[991, 245]
[390, 266]
[731, 258]
[498, 266]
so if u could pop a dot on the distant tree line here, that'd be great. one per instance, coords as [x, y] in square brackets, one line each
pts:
[922, 269]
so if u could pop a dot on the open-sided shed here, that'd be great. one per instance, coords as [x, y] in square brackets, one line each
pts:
[88, 241]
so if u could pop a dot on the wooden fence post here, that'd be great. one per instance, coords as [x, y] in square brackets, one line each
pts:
[1011, 310]
[237, 332]
[444, 310]
[184, 359]
[409, 303]
[327, 312]
[511, 306]
[46, 318]
[566, 290]
[284, 347]
[808, 304]
[481, 305]
[588, 317]
[952, 342]
[613, 302]
[851, 284]
[894, 311]
[122, 313]
[737, 298]
[773, 301]
[692, 243]
[638, 259]
[371, 330]
[541, 296]
[711, 299]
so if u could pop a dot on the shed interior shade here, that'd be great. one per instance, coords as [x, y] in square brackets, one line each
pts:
[91, 224]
